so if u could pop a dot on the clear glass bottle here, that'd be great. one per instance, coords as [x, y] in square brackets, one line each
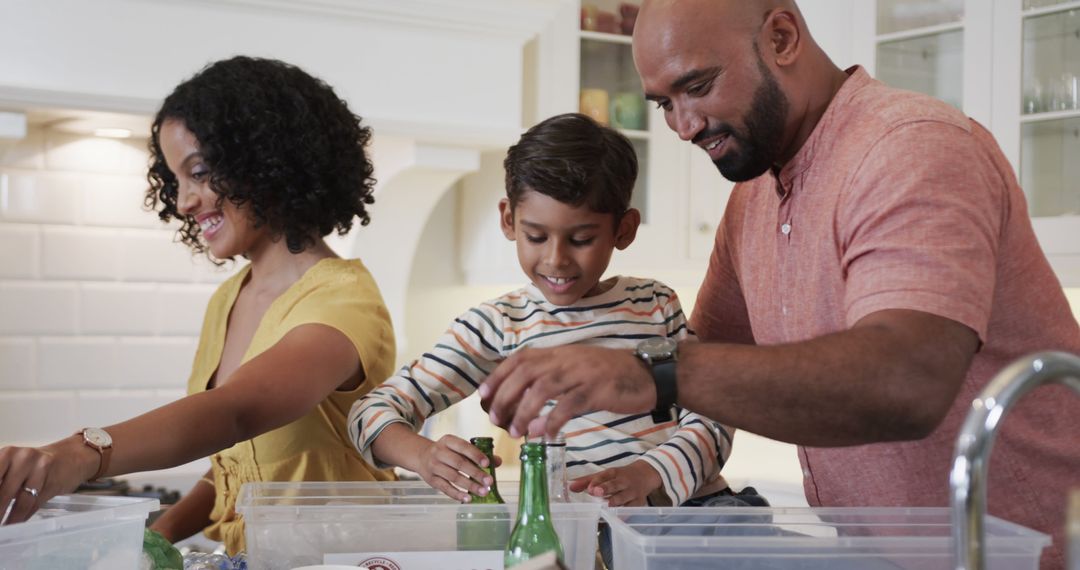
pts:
[555, 452]
[533, 534]
[484, 528]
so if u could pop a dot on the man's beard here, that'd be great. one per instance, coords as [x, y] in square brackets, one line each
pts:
[757, 149]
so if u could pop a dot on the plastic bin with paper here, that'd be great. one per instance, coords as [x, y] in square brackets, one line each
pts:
[404, 525]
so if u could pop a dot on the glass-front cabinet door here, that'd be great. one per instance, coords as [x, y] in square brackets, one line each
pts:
[1050, 108]
[920, 47]
[1012, 65]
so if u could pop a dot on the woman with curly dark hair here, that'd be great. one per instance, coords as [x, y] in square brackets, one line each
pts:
[258, 159]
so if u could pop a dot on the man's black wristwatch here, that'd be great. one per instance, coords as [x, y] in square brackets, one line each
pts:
[660, 353]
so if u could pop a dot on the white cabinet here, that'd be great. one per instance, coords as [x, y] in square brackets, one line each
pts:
[1013, 65]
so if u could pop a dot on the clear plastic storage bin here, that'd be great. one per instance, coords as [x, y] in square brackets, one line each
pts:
[78, 532]
[290, 525]
[751, 538]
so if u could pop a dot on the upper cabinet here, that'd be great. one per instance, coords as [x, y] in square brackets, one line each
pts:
[1014, 66]
[680, 194]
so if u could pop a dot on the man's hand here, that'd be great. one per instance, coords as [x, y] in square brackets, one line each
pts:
[581, 378]
[455, 467]
[626, 486]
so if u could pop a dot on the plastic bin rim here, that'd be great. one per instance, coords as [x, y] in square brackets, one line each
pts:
[1022, 534]
[105, 509]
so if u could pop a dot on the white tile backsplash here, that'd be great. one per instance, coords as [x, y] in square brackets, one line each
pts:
[78, 362]
[99, 310]
[183, 313]
[38, 307]
[119, 308]
[34, 418]
[39, 197]
[109, 407]
[117, 201]
[80, 253]
[17, 364]
[148, 255]
[19, 251]
[27, 153]
[156, 362]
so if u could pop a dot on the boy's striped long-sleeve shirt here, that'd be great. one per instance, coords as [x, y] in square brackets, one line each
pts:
[688, 452]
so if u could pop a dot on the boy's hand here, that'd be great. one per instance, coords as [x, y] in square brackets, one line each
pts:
[455, 467]
[626, 486]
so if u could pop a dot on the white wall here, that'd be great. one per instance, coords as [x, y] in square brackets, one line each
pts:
[127, 55]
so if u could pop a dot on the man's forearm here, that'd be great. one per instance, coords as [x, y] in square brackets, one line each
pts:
[875, 382]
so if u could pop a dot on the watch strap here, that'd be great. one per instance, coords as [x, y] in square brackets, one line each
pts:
[667, 393]
[104, 452]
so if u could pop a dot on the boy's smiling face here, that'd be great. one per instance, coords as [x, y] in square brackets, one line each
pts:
[564, 249]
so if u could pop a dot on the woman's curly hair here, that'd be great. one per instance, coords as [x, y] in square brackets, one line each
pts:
[277, 141]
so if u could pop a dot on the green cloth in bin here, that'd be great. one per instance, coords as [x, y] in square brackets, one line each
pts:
[162, 554]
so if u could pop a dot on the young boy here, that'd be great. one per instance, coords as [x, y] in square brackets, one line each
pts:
[567, 207]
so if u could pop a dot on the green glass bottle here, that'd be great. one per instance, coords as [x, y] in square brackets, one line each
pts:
[484, 528]
[533, 534]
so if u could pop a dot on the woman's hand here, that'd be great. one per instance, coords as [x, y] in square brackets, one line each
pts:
[626, 486]
[32, 475]
[455, 467]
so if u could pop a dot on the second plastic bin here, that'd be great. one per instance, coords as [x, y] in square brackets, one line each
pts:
[288, 525]
[78, 532]
[751, 538]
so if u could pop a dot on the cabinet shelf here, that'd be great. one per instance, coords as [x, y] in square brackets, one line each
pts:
[1050, 116]
[605, 37]
[934, 30]
[1052, 9]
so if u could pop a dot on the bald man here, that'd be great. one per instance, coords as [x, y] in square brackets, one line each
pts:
[874, 268]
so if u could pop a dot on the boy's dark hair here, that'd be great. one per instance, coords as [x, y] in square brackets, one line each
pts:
[277, 141]
[576, 161]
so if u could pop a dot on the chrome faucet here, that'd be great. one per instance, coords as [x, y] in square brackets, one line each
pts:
[967, 480]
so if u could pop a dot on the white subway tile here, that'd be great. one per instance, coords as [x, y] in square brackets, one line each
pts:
[28, 153]
[36, 307]
[152, 256]
[39, 197]
[80, 253]
[77, 363]
[155, 362]
[18, 357]
[102, 408]
[95, 154]
[119, 308]
[182, 308]
[20, 251]
[117, 201]
[36, 418]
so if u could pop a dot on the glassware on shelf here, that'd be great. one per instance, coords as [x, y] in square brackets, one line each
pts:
[628, 111]
[1051, 62]
[1034, 101]
[594, 103]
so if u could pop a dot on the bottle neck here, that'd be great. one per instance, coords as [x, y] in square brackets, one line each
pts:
[533, 501]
